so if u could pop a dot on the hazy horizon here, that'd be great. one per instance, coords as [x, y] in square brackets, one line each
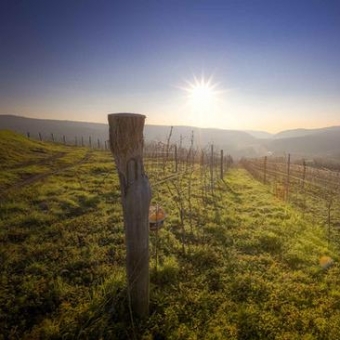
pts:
[239, 65]
[174, 125]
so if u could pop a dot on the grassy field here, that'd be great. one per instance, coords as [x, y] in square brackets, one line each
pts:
[235, 263]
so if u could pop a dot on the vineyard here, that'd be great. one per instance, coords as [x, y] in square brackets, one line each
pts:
[315, 191]
[236, 258]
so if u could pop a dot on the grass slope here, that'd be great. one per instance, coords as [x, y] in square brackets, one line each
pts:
[22, 159]
[16, 149]
[239, 265]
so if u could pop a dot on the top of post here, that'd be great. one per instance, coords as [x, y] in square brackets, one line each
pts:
[125, 115]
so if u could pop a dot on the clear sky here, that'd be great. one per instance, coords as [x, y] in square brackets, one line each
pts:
[235, 64]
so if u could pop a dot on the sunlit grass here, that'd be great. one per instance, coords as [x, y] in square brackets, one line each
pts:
[239, 264]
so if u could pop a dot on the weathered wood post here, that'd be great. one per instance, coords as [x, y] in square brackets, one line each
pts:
[303, 174]
[212, 168]
[181, 152]
[168, 147]
[288, 179]
[265, 170]
[222, 165]
[176, 159]
[126, 143]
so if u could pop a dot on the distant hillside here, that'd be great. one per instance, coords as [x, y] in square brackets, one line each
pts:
[305, 132]
[260, 134]
[59, 128]
[324, 142]
[236, 143]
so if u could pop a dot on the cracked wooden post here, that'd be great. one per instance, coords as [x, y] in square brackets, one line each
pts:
[221, 165]
[126, 143]
[287, 179]
[265, 170]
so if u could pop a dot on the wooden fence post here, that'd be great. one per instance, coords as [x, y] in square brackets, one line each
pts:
[265, 170]
[40, 137]
[126, 142]
[212, 168]
[303, 174]
[181, 151]
[222, 163]
[288, 178]
[168, 147]
[176, 159]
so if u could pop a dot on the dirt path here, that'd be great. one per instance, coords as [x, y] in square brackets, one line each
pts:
[39, 177]
[43, 161]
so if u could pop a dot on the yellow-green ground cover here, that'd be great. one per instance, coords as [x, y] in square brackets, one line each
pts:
[240, 264]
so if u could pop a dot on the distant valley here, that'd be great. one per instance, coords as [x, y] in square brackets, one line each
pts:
[323, 142]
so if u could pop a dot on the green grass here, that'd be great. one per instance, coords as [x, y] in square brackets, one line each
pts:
[243, 265]
[17, 150]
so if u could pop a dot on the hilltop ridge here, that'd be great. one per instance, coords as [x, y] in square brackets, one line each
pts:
[238, 143]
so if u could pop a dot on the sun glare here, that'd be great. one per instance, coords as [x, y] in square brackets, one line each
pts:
[202, 96]
[201, 92]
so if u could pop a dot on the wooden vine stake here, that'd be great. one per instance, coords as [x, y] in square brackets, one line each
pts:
[126, 143]
[265, 170]
[287, 179]
[221, 165]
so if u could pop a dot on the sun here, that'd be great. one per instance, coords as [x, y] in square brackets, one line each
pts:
[202, 93]
[202, 100]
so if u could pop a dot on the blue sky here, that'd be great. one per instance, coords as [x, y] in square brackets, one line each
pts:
[275, 64]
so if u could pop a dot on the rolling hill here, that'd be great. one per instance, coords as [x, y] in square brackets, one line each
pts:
[323, 142]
